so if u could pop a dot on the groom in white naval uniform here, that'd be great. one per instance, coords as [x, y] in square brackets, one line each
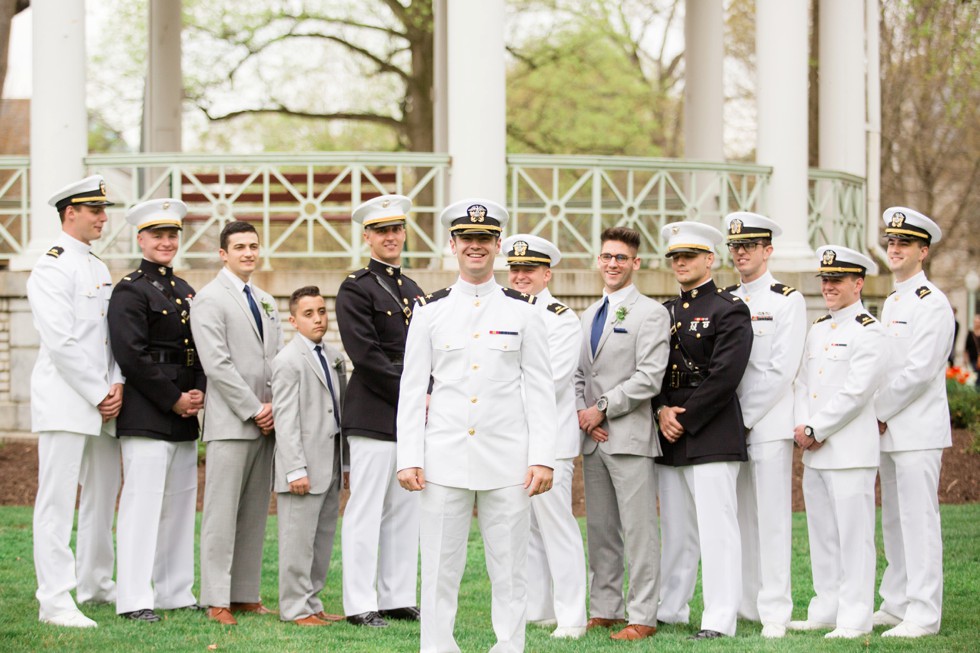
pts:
[764, 485]
[485, 439]
[913, 418]
[555, 555]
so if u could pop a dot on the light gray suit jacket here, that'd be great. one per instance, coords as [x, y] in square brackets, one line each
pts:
[237, 361]
[628, 369]
[307, 434]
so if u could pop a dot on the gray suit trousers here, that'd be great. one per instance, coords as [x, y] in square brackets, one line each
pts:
[621, 497]
[237, 488]
[307, 524]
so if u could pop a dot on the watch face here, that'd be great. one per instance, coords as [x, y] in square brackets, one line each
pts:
[808, 432]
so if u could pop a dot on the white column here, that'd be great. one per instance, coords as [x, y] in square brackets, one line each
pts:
[781, 62]
[873, 93]
[59, 120]
[842, 97]
[704, 99]
[164, 82]
[477, 99]
[440, 77]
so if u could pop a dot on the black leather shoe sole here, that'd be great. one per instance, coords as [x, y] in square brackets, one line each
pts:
[149, 616]
[706, 634]
[410, 613]
[370, 619]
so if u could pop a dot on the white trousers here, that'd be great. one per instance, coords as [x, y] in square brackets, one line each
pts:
[504, 521]
[912, 585]
[765, 522]
[66, 460]
[698, 517]
[156, 524]
[556, 555]
[379, 533]
[840, 517]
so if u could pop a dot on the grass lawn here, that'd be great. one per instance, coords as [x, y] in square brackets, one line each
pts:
[20, 630]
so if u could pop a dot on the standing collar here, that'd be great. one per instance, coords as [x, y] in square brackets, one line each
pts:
[705, 288]
[478, 289]
[916, 280]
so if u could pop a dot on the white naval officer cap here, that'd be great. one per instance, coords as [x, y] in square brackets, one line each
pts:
[88, 192]
[530, 250]
[166, 213]
[690, 237]
[904, 223]
[837, 260]
[743, 226]
[475, 217]
[383, 211]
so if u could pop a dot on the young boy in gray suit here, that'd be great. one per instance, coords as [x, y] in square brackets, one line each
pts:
[308, 378]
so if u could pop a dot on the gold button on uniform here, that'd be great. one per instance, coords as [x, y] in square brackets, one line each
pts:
[472, 431]
[472, 400]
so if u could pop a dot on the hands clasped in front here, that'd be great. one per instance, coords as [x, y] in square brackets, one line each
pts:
[539, 479]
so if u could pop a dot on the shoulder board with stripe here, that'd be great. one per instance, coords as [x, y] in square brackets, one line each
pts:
[434, 296]
[864, 319]
[821, 319]
[133, 276]
[55, 251]
[356, 274]
[517, 294]
[923, 291]
[732, 288]
[782, 289]
[557, 308]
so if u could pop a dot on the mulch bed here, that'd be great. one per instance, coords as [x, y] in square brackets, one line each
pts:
[958, 483]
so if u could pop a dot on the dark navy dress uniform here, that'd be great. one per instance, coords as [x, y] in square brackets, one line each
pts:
[710, 343]
[150, 331]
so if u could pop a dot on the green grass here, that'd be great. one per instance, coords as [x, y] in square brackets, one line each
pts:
[20, 630]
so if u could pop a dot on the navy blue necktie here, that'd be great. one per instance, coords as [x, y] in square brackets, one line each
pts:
[597, 323]
[255, 310]
[326, 373]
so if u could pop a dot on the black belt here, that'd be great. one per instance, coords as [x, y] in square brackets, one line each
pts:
[680, 379]
[396, 359]
[186, 357]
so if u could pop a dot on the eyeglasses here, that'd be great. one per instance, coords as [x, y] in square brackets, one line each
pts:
[620, 258]
[749, 246]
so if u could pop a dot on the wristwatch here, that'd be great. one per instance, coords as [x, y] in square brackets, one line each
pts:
[808, 432]
[602, 404]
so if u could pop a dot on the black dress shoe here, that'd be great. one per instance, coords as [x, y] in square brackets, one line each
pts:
[193, 607]
[372, 619]
[148, 616]
[411, 613]
[707, 634]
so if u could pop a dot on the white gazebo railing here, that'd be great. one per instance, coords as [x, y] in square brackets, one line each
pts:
[301, 203]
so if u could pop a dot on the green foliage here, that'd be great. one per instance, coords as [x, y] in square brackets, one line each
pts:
[964, 404]
[190, 631]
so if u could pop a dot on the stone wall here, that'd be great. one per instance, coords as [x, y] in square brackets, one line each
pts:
[578, 289]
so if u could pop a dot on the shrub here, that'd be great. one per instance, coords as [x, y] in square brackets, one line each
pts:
[964, 404]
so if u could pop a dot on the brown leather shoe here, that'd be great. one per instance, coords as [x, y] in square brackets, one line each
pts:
[311, 620]
[634, 632]
[329, 617]
[222, 615]
[254, 608]
[599, 622]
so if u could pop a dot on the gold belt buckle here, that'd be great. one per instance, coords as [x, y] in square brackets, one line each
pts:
[189, 353]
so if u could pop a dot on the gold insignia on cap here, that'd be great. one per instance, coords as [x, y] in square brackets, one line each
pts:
[385, 204]
[520, 248]
[675, 230]
[165, 206]
[736, 226]
[898, 219]
[102, 187]
[477, 213]
[829, 257]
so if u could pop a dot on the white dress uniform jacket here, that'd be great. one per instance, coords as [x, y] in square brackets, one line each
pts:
[75, 368]
[564, 345]
[918, 323]
[842, 367]
[779, 326]
[476, 343]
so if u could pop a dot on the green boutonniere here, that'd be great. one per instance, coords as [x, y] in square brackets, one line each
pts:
[621, 313]
[268, 308]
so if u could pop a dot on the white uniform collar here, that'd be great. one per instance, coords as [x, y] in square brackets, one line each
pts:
[70, 242]
[762, 283]
[545, 297]
[478, 289]
[849, 312]
[916, 280]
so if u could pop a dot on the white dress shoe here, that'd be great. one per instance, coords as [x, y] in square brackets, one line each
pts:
[70, 620]
[568, 633]
[543, 623]
[845, 633]
[882, 618]
[810, 625]
[906, 629]
[773, 631]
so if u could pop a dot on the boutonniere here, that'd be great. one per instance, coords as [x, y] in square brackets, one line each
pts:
[340, 365]
[268, 308]
[621, 314]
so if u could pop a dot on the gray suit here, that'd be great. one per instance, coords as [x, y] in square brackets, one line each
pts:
[307, 437]
[620, 476]
[238, 364]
